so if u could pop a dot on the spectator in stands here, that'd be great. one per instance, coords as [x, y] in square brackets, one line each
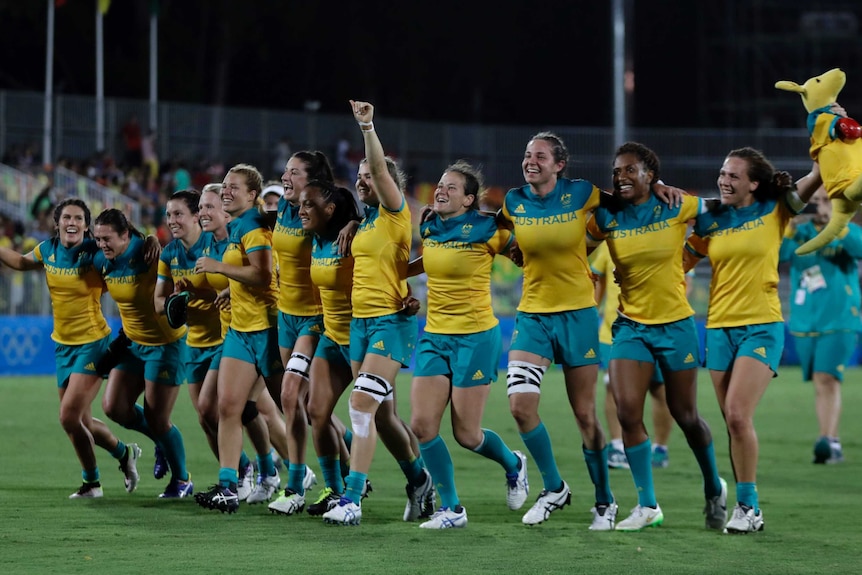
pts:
[132, 141]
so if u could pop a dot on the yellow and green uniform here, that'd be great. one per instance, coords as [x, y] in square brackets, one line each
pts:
[645, 242]
[381, 249]
[131, 283]
[252, 337]
[462, 335]
[203, 343]
[291, 247]
[332, 274]
[551, 232]
[557, 316]
[744, 316]
[177, 262]
[76, 290]
[80, 330]
[252, 307]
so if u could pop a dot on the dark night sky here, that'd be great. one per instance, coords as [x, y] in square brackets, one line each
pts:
[506, 62]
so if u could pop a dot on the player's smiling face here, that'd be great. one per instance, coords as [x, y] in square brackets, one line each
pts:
[449, 197]
[294, 179]
[314, 211]
[72, 226]
[211, 213]
[236, 198]
[181, 221]
[365, 186]
[631, 178]
[539, 165]
[734, 185]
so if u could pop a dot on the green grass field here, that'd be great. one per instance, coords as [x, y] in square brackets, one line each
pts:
[810, 511]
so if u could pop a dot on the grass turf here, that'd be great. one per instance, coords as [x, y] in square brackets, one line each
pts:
[810, 510]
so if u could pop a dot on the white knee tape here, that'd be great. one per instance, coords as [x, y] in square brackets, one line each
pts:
[298, 364]
[524, 377]
[360, 421]
[373, 385]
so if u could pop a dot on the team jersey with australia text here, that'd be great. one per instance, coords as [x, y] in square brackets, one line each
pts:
[457, 254]
[292, 252]
[602, 265]
[824, 285]
[646, 242]
[742, 245]
[203, 319]
[332, 274]
[215, 249]
[253, 308]
[76, 289]
[381, 249]
[131, 283]
[551, 233]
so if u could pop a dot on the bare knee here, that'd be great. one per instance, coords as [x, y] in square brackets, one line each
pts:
[469, 438]
[425, 428]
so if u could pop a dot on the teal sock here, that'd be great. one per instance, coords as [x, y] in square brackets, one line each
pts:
[244, 461]
[709, 468]
[119, 451]
[597, 466]
[331, 469]
[175, 452]
[495, 449]
[439, 462]
[295, 476]
[413, 471]
[640, 462]
[355, 484]
[344, 467]
[228, 477]
[265, 465]
[90, 475]
[140, 423]
[746, 494]
[348, 438]
[538, 443]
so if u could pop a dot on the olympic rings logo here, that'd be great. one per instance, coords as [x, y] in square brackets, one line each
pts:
[20, 345]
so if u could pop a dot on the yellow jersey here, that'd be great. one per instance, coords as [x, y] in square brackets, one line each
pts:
[76, 290]
[457, 254]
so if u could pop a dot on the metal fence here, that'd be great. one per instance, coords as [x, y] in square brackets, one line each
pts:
[690, 158]
[194, 132]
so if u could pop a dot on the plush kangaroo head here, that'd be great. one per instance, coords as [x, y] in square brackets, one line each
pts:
[818, 91]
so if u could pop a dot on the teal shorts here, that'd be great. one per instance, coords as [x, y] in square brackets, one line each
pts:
[569, 338]
[826, 353]
[259, 348]
[158, 363]
[70, 359]
[466, 359]
[671, 346]
[393, 336]
[605, 354]
[292, 327]
[197, 361]
[335, 354]
[763, 341]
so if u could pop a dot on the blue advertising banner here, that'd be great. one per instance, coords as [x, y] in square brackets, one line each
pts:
[26, 347]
